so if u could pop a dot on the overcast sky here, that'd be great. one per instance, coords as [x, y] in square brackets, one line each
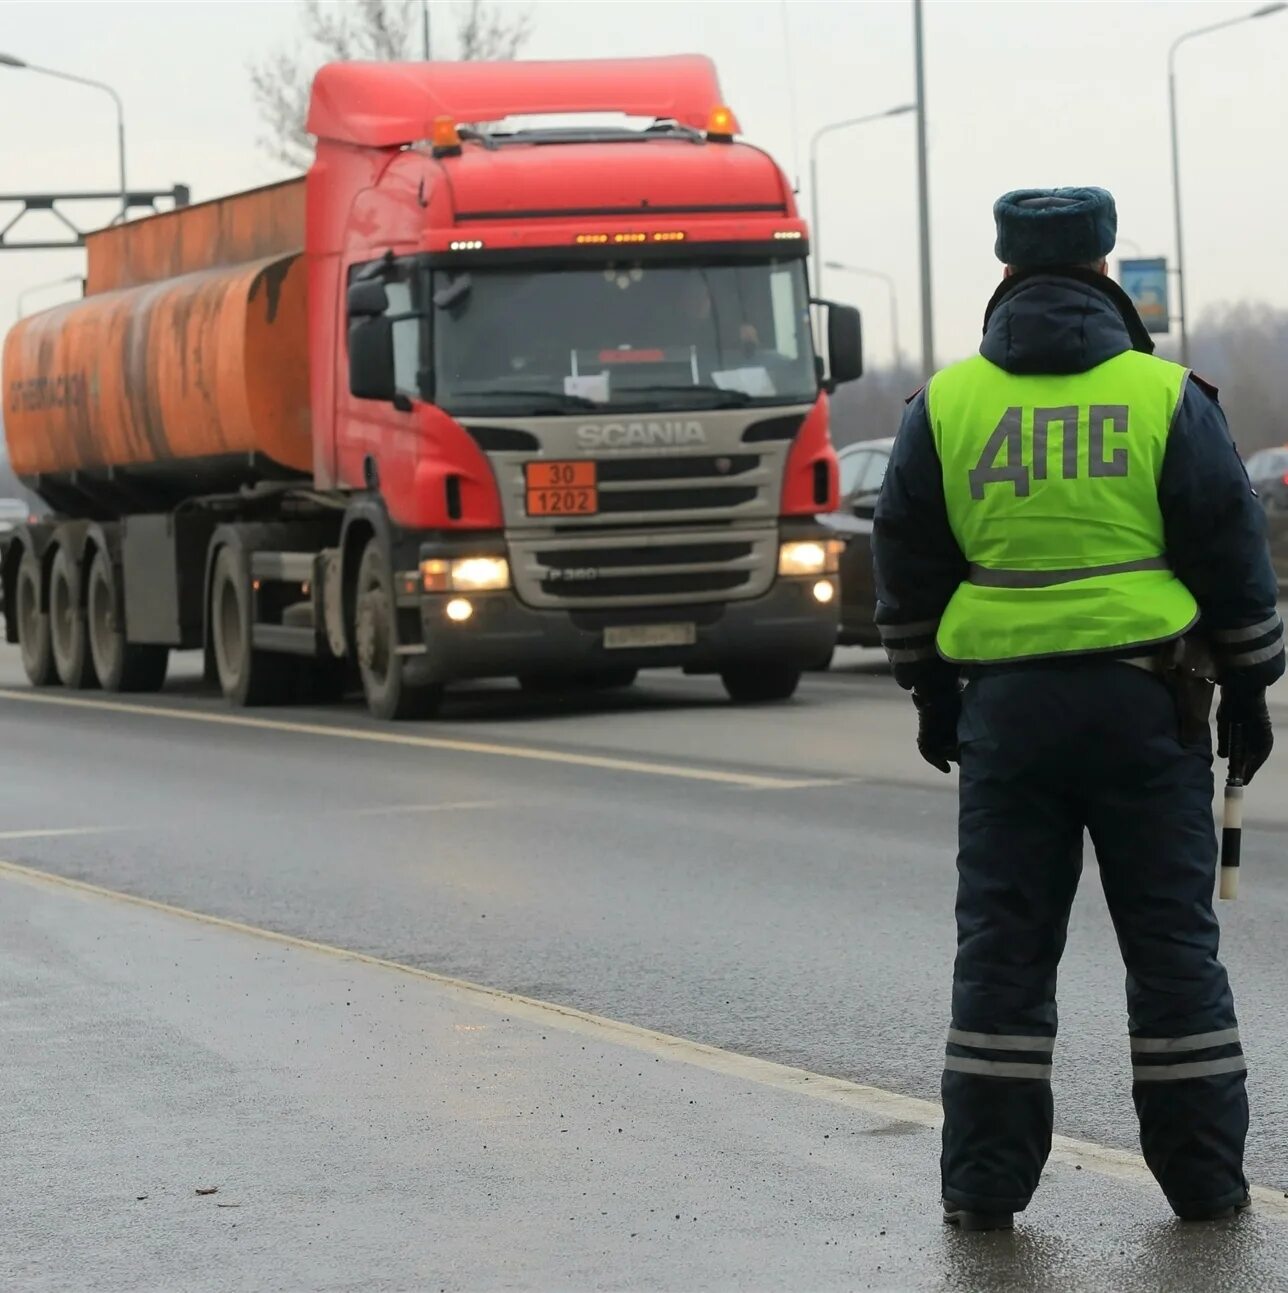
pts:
[1033, 92]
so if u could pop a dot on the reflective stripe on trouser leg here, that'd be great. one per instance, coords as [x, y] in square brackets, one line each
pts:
[1196, 1055]
[999, 1055]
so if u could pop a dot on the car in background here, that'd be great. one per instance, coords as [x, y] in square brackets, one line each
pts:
[1268, 472]
[13, 513]
[863, 468]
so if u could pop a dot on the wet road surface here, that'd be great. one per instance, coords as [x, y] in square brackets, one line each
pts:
[776, 882]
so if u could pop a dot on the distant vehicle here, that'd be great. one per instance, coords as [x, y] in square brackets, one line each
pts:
[13, 513]
[1268, 471]
[863, 468]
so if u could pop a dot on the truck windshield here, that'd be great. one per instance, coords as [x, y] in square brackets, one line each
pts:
[623, 336]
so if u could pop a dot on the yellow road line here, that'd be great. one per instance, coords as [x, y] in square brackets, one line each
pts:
[607, 763]
[870, 1100]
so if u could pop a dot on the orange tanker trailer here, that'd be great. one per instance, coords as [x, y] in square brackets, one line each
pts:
[462, 402]
[183, 372]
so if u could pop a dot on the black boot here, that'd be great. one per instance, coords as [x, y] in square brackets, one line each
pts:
[965, 1219]
[1222, 1213]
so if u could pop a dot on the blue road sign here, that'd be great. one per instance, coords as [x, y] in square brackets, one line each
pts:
[1145, 281]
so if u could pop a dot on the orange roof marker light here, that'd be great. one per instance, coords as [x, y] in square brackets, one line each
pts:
[445, 139]
[722, 125]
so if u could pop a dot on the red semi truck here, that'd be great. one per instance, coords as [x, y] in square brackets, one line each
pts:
[468, 400]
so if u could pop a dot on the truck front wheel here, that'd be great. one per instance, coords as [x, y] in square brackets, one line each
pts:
[67, 625]
[120, 665]
[34, 639]
[761, 683]
[387, 682]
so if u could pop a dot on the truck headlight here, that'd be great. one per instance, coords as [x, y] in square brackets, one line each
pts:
[807, 557]
[464, 574]
[480, 574]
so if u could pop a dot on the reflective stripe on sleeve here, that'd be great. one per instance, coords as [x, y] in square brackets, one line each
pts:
[1247, 659]
[1250, 632]
[897, 632]
[910, 655]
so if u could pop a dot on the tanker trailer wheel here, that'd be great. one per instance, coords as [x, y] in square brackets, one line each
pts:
[387, 682]
[246, 676]
[34, 638]
[67, 625]
[120, 665]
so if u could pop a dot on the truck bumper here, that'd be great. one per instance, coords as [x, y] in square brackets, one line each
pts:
[503, 637]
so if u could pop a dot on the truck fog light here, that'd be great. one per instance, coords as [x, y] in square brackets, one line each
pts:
[459, 610]
[824, 591]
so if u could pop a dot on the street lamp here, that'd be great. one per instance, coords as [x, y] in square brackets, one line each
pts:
[815, 234]
[1264, 12]
[44, 287]
[894, 303]
[8, 60]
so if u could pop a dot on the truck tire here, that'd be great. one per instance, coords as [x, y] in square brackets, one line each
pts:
[120, 665]
[391, 693]
[67, 625]
[246, 676]
[759, 684]
[35, 644]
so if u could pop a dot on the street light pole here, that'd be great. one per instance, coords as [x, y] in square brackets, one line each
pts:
[894, 300]
[816, 241]
[1182, 316]
[8, 60]
[923, 201]
[424, 27]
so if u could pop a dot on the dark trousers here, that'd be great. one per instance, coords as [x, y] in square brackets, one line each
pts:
[1046, 753]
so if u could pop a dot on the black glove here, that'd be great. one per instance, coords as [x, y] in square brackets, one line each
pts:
[1243, 723]
[937, 715]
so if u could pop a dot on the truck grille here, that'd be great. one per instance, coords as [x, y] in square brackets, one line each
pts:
[627, 569]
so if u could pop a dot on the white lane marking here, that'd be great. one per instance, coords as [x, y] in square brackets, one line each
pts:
[382, 810]
[870, 1100]
[55, 832]
[608, 763]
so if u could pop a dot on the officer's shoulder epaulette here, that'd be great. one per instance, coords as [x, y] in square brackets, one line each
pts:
[915, 393]
[1207, 387]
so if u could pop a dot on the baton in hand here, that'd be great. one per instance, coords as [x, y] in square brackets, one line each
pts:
[1232, 821]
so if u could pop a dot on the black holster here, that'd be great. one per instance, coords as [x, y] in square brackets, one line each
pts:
[1189, 671]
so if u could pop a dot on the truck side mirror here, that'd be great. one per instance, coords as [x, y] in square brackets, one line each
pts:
[367, 298]
[844, 344]
[371, 357]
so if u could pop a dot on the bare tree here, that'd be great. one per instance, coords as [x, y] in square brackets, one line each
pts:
[378, 30]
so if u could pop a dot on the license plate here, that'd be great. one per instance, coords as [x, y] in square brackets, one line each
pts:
[562, 489]
[650, 635]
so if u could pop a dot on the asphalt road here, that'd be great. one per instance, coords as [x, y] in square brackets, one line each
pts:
[777, 881]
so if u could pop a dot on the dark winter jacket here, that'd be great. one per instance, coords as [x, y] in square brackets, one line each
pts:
[1069, 322]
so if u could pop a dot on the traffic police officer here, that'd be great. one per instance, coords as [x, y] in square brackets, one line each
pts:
[1060, 512]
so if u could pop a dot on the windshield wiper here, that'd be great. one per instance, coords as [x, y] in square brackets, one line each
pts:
[715, 397]
[556, 400]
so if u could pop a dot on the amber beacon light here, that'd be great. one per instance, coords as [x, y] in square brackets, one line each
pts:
[722, 125]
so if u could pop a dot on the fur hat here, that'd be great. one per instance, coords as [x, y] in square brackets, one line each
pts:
[1042, 228]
